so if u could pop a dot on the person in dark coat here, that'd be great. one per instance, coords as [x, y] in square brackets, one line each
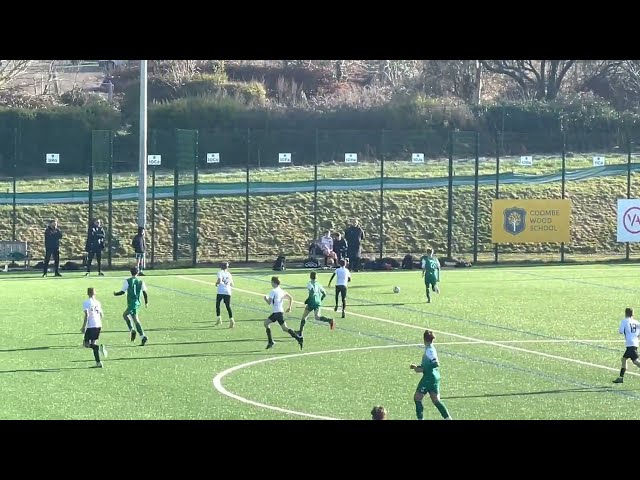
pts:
[95, 245]
[52, 236]
[354, 236]
[340, 246]
[139, 246]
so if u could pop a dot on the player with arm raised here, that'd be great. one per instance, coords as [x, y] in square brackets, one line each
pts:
[133, 287]
[224, 283]
[630, 328]
[430, 382]
[92, 325]
[343, 278]
[313, 303]
[276, 299]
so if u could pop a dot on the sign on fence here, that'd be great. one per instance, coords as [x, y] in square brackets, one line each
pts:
[53, 158]
[598, 161]
[213, 158]
[154, 160]
[350, 158]
[284, 158]
[417, 158]
[628, 221]
[530, 221]
[526, 160]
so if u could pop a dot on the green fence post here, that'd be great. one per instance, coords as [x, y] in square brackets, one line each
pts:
[110, 200]
[194, 247]
[450, 198]
[246, 216]
[381, 155]
[476, 199]
[495, 245]
[627, 247]
[564, 180]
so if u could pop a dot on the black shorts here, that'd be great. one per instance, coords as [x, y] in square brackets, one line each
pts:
[93, 333]
[341, 289]
[277, 317]
[631, 352]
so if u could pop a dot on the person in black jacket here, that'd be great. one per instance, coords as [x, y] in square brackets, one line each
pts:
[340, 246]
[52, 236]
[95, 245]
[139, 246]
[354, 236]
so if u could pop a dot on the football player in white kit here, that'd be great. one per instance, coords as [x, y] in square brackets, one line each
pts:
[276, 299]
[343, 278]
[224, 284]
[92, 325]
[630, 328]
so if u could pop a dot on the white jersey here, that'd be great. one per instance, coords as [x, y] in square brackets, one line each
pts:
[276, 299]
[630, 328]
[326, 242]
[94, 313]
[342, 276]
[226, 282]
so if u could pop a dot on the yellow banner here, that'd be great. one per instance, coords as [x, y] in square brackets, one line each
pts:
[530, 221]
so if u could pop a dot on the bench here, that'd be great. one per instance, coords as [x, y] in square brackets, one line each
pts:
[15, 252]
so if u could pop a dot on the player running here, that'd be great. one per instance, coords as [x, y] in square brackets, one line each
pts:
[133, 287]
[630, 328]
[276, 298]
[343, 278]
[430, 272]
[430, 382]
[313, 303]
[92, 325]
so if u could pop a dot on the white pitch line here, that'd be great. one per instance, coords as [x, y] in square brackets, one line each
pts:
[463, 337]
[217, 381]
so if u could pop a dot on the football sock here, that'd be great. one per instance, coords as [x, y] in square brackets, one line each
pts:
[269, 335]
[325, 319]
[128, 323]
[302, 322]
[442, 409]
[428, 294]
[622, 370]
[139, 328]
[419, 410]
[293, 334]
[96, 352]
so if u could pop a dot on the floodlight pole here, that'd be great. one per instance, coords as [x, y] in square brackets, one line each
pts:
[142, 180]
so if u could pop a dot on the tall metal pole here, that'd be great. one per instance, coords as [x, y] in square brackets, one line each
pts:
[142, 180]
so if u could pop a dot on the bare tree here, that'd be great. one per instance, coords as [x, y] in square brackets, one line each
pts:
[457, 78]
[539, 79]
[10, 69]
[176, 72]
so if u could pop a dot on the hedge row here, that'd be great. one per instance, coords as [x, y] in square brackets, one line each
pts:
[224, 119]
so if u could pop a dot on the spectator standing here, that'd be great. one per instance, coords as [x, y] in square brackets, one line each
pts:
[52, 236]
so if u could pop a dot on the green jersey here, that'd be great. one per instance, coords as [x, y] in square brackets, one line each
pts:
[431, 266]
[430, 364]
[134, 288]
[316, 294]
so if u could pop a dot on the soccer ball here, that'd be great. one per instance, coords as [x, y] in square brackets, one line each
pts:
[396, 289]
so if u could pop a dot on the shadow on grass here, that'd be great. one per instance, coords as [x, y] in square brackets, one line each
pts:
[45, 370]
[146, 329]
[151, 344]
[29, 349]
[263, 352]
[546, 392]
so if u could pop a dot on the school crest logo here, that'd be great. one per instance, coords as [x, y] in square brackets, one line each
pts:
[514, 220]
